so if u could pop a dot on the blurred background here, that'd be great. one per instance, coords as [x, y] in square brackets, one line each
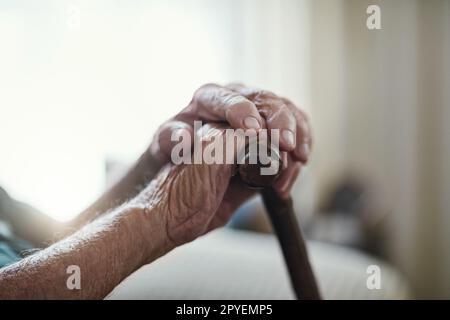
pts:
[85, 84]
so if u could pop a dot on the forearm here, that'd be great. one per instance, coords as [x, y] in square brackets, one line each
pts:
[106, 251]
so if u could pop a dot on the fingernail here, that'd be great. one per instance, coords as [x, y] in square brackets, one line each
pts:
[288, 137]
[251, 123]
[304, 151]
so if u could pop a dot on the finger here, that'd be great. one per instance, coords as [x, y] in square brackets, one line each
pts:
[170, 134]
[285, 182]
[274, 110]
[279, 117]
[216, 103]
[304, 136]
[248, 92]
[256, 95]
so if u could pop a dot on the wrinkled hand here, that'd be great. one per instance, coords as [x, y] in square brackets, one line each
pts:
[245, 108]
[192, 199]
[196, 198]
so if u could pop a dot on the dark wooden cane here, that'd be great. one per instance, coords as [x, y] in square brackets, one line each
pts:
[284, 221]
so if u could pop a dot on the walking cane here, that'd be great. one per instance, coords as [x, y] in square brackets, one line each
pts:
[284, 222]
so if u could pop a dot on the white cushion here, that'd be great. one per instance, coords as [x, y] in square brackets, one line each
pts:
[230, 264]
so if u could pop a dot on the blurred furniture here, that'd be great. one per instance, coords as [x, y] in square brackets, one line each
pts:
[231, 264]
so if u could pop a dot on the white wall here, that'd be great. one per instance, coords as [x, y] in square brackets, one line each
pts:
[85, 80]
[381, 109]
[73, 94]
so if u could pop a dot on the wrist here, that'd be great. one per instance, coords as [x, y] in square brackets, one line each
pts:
[148, 230]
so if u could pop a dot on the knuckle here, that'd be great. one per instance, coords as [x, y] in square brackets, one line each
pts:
[283, 108]
[236, 102]
[264, 94]
[281, 112]
[201, 90]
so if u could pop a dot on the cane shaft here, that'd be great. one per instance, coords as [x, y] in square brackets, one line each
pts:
[292, 244]
[284, 222]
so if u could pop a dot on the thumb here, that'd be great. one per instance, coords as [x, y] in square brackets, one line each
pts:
[167, 136]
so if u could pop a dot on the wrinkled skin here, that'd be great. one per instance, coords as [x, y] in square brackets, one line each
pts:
[194, 198]
[126, 227]
[199, 198]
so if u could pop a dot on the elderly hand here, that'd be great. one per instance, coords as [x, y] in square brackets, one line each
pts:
[245, 108]
[191, 199]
